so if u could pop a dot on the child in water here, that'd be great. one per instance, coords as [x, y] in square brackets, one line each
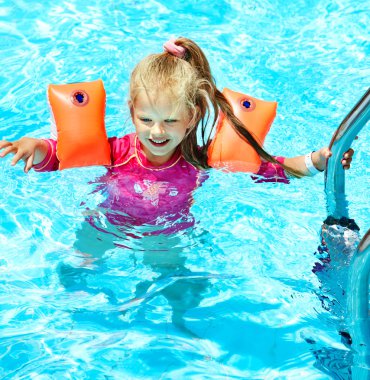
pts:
[172, 95]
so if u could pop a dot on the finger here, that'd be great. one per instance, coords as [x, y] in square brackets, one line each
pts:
[346, 161]
[4, 144]
[18, 156]
[7, 150]
[346, 167]
[29, 163]
[349, 153]
[325, 152]
[347, 157]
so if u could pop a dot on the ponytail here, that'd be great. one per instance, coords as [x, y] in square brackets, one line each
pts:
[208, 93]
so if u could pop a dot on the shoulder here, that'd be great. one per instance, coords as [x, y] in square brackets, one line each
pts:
[122, 148]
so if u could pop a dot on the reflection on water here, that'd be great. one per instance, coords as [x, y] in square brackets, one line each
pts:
[334, 362]
[335, 251]
[337, 246]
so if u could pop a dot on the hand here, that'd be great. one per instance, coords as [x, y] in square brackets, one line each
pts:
[320, 156]
[30, 150]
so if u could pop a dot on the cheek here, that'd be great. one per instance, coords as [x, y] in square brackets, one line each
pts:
[139, 126]
[141, 132]
[181, 134]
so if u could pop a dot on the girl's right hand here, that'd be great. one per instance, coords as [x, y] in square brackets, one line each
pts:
[31, 151]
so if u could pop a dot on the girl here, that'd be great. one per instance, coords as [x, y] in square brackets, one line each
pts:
[172, 95]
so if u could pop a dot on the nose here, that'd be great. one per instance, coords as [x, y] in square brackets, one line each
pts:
[157, 129]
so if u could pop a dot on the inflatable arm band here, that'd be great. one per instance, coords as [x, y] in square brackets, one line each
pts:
[78, 111]
[228, 150]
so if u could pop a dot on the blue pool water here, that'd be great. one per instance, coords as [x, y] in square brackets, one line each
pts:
[233, 297]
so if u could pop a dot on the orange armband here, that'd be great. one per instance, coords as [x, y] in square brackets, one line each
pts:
[78, 110]
[230, 151]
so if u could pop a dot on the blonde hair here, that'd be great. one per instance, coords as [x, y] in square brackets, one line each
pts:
[191, 84]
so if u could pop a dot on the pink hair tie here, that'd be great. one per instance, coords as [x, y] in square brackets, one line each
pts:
[172, 48]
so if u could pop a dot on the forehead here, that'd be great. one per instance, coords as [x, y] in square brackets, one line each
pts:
[162, 102]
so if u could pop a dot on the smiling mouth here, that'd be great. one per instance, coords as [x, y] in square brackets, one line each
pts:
[159, 142]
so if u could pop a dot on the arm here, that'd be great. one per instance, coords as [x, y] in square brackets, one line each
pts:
[31, 151]
[319, 158]
[270, 172]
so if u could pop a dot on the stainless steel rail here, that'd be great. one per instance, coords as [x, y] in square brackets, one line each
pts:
[340, 142]
[358, 280]
[359, 270]
[358, 308]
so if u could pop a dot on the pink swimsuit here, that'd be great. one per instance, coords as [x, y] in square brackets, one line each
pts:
[138, 192]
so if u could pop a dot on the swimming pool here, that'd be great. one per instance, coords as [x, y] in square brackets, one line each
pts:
[232, 297]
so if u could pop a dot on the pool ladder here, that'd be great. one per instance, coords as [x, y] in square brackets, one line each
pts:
[359, 270]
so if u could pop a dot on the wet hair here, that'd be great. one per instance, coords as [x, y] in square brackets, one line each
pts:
[189, 81]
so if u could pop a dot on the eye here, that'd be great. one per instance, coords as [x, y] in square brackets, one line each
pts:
[145, 119]
[171, 121]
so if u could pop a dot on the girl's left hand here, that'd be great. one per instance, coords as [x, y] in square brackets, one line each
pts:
[320, 156]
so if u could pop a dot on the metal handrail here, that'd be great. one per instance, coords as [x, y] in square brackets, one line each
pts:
[358, 307]
[358, 280]
[359, 269]
[341, 142]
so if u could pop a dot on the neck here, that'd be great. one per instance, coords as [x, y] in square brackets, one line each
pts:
[157, 160]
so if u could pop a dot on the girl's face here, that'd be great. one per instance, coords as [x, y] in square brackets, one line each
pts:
[160, 125]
